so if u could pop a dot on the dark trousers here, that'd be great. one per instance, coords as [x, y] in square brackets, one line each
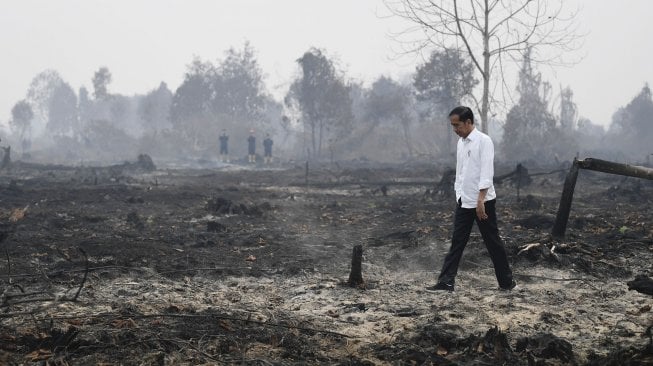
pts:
[463, 221]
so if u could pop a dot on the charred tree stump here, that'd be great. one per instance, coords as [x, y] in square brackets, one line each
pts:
[356, 276]
[560, 225]
[598, 165]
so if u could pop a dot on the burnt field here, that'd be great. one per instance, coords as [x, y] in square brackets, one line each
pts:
[124, 265]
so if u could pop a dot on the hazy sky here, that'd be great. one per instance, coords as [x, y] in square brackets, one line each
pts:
[144, 42]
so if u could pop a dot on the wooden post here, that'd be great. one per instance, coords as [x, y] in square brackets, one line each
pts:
[356, 276]
[562, 217]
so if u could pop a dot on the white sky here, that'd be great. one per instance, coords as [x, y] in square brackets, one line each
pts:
[144, 42]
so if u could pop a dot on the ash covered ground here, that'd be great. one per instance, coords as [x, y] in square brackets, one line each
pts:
[248, 266]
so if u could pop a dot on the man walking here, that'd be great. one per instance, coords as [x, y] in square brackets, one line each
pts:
[476, 202]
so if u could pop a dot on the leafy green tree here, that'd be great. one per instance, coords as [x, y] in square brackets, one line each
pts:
[101, 81]
[323, 99]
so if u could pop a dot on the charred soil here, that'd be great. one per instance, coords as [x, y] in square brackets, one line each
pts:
[250, 266]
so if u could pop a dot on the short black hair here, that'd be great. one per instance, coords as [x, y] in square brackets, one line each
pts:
[463, 113]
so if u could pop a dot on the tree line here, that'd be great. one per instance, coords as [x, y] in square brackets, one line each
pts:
[324, 115]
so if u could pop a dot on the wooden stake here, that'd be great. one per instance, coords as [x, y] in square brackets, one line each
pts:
[560, 225]
[356, 276]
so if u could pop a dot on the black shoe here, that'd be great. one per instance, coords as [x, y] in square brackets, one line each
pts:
[440, 287]
[513, 284]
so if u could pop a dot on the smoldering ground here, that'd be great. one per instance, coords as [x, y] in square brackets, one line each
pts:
[195, 266]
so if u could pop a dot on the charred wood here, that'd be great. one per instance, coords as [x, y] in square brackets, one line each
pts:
[356, 275]
[616, 168]
[642, 284]
[560, 225]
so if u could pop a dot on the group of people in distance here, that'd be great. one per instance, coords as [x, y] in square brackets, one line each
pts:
[251, 148]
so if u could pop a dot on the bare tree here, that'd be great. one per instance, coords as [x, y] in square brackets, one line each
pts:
[488, 31]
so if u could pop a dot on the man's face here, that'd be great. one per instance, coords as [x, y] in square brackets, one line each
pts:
[461, 128]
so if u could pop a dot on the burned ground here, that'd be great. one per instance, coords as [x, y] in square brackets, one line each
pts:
[227, 266]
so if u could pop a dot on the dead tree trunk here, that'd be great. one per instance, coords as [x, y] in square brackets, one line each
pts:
[604, 166]
[356, 276]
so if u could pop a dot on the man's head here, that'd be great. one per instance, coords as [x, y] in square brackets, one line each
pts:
[462, 121]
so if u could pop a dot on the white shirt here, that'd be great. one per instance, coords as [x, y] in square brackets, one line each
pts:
[474, 168]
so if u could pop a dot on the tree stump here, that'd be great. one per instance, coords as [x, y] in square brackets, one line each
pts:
[356, 276]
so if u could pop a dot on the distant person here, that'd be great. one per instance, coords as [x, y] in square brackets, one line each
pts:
[267, 147]
[476, 202]
[251, 147]
[224, 147]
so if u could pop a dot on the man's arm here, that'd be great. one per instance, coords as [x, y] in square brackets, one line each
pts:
[480, 204]
[487, 176]
[487, 164]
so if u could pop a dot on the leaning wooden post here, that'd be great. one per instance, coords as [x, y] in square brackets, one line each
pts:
[560, 225]
[356, 276]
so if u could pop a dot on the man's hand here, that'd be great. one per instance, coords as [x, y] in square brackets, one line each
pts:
[480, 210]
[480, 205]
